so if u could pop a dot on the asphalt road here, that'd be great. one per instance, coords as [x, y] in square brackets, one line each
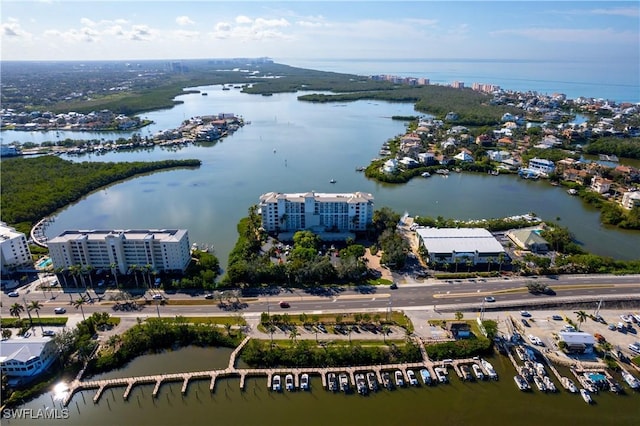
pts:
[427, 295]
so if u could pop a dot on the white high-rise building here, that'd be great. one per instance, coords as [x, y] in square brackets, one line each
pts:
[14, 249]
[318, 212]
[165, 250]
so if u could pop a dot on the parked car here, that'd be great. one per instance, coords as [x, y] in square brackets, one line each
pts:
[60, 310]
[525, 322]
[557, 317]
[525, 314]
[49, 333]
[13, 294]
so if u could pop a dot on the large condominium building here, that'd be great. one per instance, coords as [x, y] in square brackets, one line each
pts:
[318, 212]
[165, 250]
[14, 250]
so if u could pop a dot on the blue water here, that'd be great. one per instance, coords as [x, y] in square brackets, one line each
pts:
[593, 79]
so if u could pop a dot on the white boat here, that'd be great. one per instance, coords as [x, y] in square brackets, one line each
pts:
[332, 181]
[442, 171]
[477, 371]
[426, 175]
[540, 369]
[572, 191]
[521, 383]
[441, 373]
[630, 379]
[489, 369]
[568, 384]
[373, 381]
[539, 383]
[361, 384]
[413, 380]
[288, 382]
[521, 354]
[426, 376]
[386, 380]
[586, 396]
[332, 382]
[466, 372]
[551, 387]
[344, 382]
[276, 383]
[399, 378]
[304, 381]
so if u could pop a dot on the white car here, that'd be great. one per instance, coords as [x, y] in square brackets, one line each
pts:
[489, 299]
[60, 310]
[626, 318]
[157, 297]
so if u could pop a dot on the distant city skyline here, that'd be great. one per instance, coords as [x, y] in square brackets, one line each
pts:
[152, 29]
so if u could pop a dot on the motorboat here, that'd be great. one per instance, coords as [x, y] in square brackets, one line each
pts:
[614, 386]
[399, 378]
[521, 354]
[344, 382]
[441, 373]
[572, 191]
[288, 382]
[304, 381]
[426, 376]
[568, 384]
[551, 387]
[372, 381]
[386, 380]
[521, 383]
[540, 369]
[425, 174]
[276, 383]
[332, 181]
[489, 369]
[361, 384]
[413, 380]
[466, 372]
[630, 379]
[332, 382]
[477, 371]
[442, 171]
[539, 383]
[586, 396]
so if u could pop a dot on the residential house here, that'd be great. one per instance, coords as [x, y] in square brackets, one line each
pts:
[390, 166]
[600, 185]
[484, 140]
[631, 200]
[529, 239]
[575, 175]
[409, 162]
[22, 359]
[427, 158]
[464, 156]
[541, 165]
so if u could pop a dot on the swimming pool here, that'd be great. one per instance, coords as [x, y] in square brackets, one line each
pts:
[43, 263]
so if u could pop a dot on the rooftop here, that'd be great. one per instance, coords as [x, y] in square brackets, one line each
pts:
[459, 240]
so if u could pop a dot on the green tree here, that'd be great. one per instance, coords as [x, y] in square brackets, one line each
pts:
[35, 305]
[581, 316]
[16, 309]
[78, 304]
[459, 315]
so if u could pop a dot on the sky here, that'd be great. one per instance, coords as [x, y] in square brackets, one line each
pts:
[164, 29]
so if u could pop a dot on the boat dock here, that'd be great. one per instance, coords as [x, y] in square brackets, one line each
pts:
[231, 371]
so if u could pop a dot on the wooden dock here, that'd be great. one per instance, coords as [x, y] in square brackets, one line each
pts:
[231, 371]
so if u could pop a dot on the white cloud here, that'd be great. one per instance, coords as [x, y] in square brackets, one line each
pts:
[570, 35]
[632, 12]
[184, 20]
[242, 20]
[245, 28]
[184, 34]
[14, 29]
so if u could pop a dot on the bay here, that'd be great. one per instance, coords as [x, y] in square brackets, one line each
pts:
[293, 146]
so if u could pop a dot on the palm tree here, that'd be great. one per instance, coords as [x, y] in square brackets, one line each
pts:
[582, 317]
[227, 327]
[73, 270]
[489, 262]
[78, 304]
[134, 269]
[293, 334]
[271, 329]
[500, 261]
[385, 330]
[456, 260]
[446, 266]
[114, 271]
[86, 270]
[16, 309]
[34, 305]
[469, 263]
[459, 315]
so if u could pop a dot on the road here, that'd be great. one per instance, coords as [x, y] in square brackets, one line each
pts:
[410, 295]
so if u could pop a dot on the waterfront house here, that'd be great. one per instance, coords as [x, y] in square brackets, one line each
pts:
[631, 200]
[390, 166]
[600, 185]
[22, 359]
[577, 341]
[464, 156]
[575, 175]
[409, 162]
[427, 158]
[541, 165]
[529, 239]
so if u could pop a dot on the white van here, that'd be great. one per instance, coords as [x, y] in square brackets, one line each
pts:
[635, 347]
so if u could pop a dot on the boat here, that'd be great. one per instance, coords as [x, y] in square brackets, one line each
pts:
[489, 369]
[466, 372]
[386, 380]
[572, 191]
[276, 383]
[521, 354]
[413, 380]
[442, 171]
[551, 387]
[477, 371]
[568, 384]
[426, 175]
[332, 181]
[372, 381]
[204, 93]
[267, 94]
[441, 373]
[540, 369]
[614, 386]
[630, 379]
[521, 383]
[304, 381]
[344, 382]
[426, 376]
[360, 169]
[399, 378]
[225, 88]
[586, 396]
[539, 383]
[332, 383]
[361, 384]
[288, 382]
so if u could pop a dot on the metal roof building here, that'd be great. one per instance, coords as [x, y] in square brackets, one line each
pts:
[444, 245]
